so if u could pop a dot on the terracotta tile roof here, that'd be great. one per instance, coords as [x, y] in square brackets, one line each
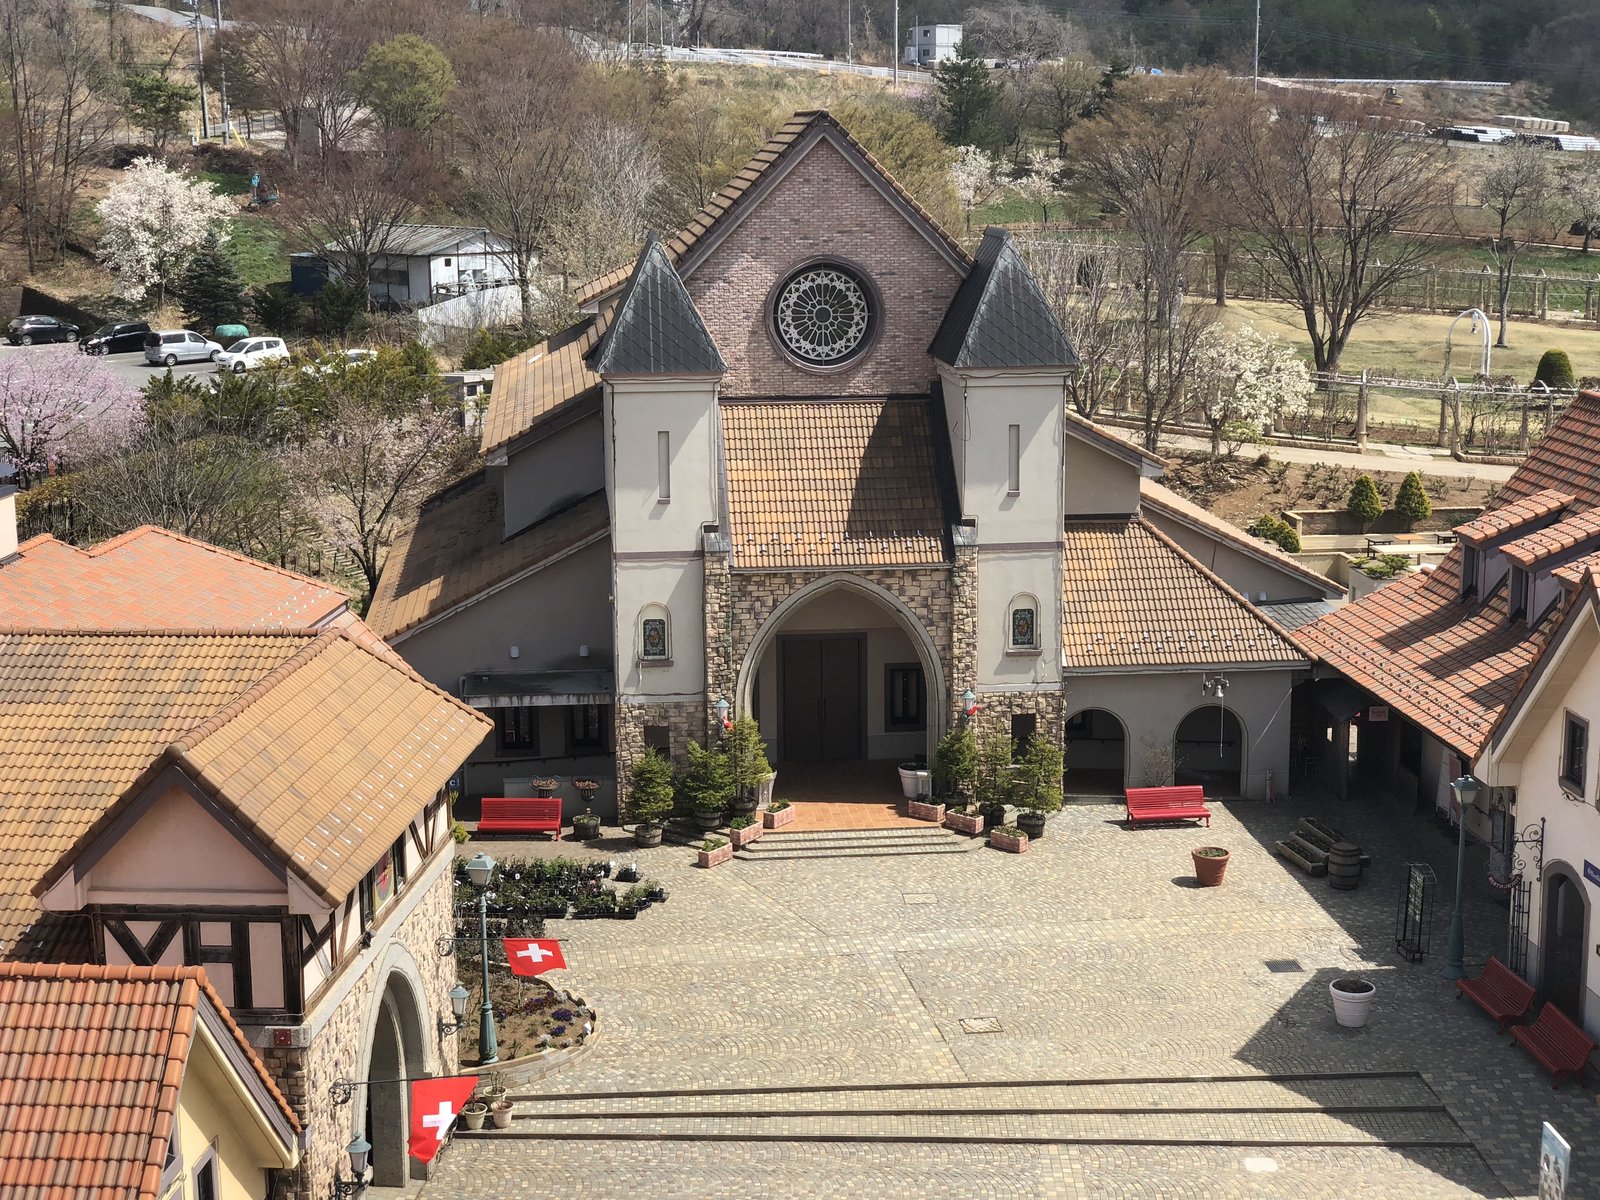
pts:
[1565, 459]
[1573, 573]
[92, 1060]
[154, 578]
[790, 134]
[1109, 441]
[1181, 508]
[454, 551]
[1513, 515]
[1133, 598]
[834, 483]
[1553, 539]
[310, 740]
[551, 379]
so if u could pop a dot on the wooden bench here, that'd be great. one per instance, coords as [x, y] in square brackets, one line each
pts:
[1166, 804]
[1560, 1046]
[520, 814]
[1499, 991]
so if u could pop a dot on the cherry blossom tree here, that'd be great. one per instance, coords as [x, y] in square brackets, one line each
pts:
[153, 219]
[1243, 380]
[1042, 184]
[51, 401]
[976, 176]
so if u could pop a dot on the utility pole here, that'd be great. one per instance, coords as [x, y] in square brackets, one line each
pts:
[850, 33]
[1256, 67]
[200, 72]
[894, 50]
[222, 77]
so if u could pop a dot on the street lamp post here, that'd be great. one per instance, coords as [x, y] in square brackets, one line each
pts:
[480, 869]
[1466, 789]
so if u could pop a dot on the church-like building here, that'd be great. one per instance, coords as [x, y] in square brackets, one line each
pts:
[811, 460]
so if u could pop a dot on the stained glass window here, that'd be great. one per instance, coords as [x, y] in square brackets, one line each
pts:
[655, 637]
[1024, 629]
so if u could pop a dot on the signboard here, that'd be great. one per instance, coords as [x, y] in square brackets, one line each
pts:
[1378, 712]
[1591, 872]
[1555, 1160]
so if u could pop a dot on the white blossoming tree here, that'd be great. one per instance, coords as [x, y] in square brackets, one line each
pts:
[1242, 381]
[976, 176]
[1042, 184]
[152, 221]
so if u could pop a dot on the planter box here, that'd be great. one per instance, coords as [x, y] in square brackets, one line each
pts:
[924, 810]
[743, 837]
[969, 824]
[712, 858]
[1003, 841]
[777, 820]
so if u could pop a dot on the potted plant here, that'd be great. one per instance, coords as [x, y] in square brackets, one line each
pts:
[1210, 863]
[1037, 787]
[778, 814]
[715, 851]
[747, 764]
[1352, 1001]
[658, 894]
[500, 1114]
[494, 1090]
[995, 776]
[650, 796]
[914, 775]
[586, 825]
[707, 786]
[473, 1113]
[544, 789]
[744, 830]
[1009, 838]
[634, 901]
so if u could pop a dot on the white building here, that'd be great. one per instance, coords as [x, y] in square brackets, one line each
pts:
[932, 44]
[419, 264]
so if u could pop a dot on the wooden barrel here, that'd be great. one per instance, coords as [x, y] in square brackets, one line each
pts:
[1344, 866]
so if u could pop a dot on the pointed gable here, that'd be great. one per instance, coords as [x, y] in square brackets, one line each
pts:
[656, 329]
[999, 318]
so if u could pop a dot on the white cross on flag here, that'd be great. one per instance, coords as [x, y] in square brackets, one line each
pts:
[435, 1105]
[530, 956]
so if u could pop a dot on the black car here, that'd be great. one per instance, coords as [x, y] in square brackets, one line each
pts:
[25, 331]
[116, 338]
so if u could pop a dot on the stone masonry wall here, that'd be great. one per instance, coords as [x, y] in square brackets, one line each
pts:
[824, 208]
[685, 721]
[964, 626]
[340, 1039]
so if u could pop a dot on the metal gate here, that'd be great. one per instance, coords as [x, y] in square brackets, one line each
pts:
[1517, 937]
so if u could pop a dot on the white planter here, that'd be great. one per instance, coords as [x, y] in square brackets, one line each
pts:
[908, 782]
[764, 790]
[1350, 1009]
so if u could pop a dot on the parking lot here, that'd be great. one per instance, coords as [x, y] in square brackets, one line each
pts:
[130, 367]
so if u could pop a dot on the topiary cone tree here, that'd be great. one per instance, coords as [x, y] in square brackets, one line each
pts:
[1411, 502]
[1039, 777]
[1555, 371]
[955, 764]
[650, 791]
[747, 757]
[1365, 505]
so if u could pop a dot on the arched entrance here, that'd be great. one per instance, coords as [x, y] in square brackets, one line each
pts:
[1097, 753]
[396, 1053]
[1561, 949]
[1209, 749]
[844, 671]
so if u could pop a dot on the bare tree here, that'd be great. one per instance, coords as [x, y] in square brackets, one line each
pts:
[1581, 191]
[1101, 321]
[618, 172]
[1342, 206]
[1519, 195]
[301, 55]
[1061, 91]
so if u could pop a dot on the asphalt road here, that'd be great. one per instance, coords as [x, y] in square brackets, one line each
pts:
[130, 366]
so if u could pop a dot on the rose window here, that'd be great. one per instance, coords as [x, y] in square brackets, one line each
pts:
[823, 315]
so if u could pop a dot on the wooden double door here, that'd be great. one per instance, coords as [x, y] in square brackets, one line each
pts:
[822, 697]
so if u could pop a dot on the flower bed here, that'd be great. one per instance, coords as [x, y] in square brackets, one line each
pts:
[527, 892]
[529, 1015]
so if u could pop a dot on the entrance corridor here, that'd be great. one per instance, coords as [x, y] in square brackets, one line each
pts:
[862, 794]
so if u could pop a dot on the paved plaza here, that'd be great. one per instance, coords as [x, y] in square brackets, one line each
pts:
[1079, 1021]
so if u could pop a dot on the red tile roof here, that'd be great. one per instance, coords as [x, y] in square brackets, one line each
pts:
[153, 578]
[1567, 459]
[92, 1060]
[1553, 539]
[1573, 573]
[1132, 597]
[1513, 515]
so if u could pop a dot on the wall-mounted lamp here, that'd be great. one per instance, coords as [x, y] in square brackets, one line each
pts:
[458, 1006]
[723, 707]
[515, 652]
[969, 702]
[359, 1151]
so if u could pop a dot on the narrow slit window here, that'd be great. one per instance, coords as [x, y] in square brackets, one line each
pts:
[1013, 459]
[663, 465]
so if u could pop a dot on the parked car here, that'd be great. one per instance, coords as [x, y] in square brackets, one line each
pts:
[26, 330]
[168, 347]
[119, 337]
[251, 352]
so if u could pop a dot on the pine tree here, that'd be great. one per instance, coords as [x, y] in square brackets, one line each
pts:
[1412, 502]
[210, 288]
[1365, 505]
[1039, 776]
[967, 98]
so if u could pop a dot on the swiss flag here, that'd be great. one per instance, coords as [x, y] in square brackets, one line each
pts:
[530, 956]
[435, 1105]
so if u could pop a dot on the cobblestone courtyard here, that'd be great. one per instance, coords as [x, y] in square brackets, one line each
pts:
[783, 1001]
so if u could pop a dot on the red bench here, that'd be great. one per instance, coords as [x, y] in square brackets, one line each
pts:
[1559, 1045]
[1499, 991]
[520, 814]
[1166, 804]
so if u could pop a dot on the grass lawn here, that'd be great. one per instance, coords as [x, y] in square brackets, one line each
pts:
[257, 251]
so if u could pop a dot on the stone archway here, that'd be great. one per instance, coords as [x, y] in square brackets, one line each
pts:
[1564, 925]
[396, 1051]
[892, 612]
[1096, 746]
[1209, 749]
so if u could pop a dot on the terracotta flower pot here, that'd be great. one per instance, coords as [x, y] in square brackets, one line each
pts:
[1209, 867]
[743, 837]
[1012, 841]
[970, 824]
[925, 810]
[500, 1114]
[777, 818]
[713, 858]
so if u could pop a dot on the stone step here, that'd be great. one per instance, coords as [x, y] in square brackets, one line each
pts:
[780, 845]
[799, 855]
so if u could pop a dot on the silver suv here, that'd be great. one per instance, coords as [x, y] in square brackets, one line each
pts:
[169, 347]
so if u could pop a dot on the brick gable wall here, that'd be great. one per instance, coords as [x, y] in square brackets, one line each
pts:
[824, 207]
